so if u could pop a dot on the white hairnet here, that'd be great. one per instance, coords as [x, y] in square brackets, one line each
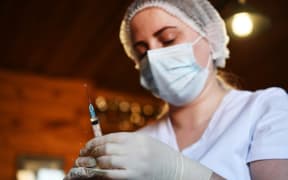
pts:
[198, 14]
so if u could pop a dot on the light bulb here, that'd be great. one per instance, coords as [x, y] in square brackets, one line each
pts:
[242, 24]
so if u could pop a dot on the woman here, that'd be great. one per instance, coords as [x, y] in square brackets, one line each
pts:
[211, 131]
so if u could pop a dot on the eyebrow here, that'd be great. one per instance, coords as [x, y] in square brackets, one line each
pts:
[157, 33]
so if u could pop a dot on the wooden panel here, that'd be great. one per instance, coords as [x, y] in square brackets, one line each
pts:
[49, 117]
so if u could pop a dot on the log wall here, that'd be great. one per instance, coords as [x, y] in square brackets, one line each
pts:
[46, 117]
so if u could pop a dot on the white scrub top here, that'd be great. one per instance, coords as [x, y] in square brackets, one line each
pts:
[247, 126]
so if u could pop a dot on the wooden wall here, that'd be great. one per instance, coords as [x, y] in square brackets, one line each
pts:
[45, 117]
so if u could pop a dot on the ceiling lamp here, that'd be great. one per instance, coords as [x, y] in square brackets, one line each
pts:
[245, 21]
[242, 24]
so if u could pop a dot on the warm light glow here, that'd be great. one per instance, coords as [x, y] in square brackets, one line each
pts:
[124, 106]
[101, 103]
[148, 110]
[48, 174]
[25, 175]
[242, 24]
[135, 108]
[137, 119]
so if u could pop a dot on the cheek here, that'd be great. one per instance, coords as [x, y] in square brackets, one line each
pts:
[202, 52]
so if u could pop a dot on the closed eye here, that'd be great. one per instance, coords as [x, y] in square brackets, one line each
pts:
[168, 42]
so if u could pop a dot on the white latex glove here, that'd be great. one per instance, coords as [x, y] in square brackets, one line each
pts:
[83, 173]
[138, 157]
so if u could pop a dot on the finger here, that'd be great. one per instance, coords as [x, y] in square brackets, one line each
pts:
[94, 172]
[107, 149]
[85, 162]
[84, 173]
[84, 152]
[118, 174]
[111, 162]
[76, 173]
[110, 138]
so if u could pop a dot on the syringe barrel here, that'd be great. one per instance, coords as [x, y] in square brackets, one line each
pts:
[96, 127]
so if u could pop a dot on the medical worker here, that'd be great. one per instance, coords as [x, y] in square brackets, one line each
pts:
[211, 131]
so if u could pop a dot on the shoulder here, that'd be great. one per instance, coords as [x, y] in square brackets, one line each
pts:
[271, 129]
[271, 106]
[268, 92]
[274, 94]
[271, 100]
[261, 99]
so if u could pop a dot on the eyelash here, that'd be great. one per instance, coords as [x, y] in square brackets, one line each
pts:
[165, 43]
[169, 42]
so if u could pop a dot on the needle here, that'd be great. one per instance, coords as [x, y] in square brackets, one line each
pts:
[93, 117]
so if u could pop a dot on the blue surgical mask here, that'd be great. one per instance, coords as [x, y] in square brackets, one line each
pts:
[173, 74]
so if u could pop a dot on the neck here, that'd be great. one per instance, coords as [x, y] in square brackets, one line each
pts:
[199, 112]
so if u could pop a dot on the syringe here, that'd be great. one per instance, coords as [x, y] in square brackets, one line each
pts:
[93, 118]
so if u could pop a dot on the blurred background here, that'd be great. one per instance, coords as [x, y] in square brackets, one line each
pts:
[49, 49]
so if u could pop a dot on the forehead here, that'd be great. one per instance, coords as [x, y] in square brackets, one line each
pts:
[155, 13]
[152, 19]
